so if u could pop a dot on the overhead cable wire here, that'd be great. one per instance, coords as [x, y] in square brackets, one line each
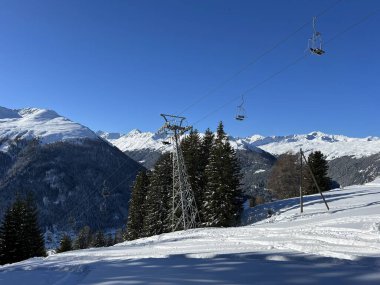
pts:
[296, 61]
[254, 61]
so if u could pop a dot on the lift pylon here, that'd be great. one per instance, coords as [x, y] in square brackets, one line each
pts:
[184, 209]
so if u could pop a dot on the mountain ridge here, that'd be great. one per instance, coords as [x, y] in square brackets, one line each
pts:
[333, 146]
[46, 125]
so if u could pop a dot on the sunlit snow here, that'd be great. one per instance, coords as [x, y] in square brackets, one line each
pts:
[340, 246]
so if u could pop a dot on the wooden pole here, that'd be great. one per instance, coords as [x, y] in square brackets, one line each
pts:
[301, 178]
[315, 181]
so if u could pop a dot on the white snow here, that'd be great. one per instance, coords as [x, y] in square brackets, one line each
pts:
[135, 140]
[340, 246]
[333, 146]
[44, 124]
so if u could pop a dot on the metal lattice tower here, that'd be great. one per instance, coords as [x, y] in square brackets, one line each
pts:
[184, 208]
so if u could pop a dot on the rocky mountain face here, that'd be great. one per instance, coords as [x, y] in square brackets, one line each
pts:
[348, 170]
[75, 177]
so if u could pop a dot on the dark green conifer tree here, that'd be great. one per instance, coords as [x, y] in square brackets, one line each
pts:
[192, 153]
[98, 239]
[20, 235]
[318, 164]
[136, 210]
[158, 202]
[206, 145]
[34, 240]
[110, 240]
[223, 198]
[65, 244]
[83, 239]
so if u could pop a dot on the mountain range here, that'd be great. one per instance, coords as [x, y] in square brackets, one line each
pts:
[81, 177]
[351, 160]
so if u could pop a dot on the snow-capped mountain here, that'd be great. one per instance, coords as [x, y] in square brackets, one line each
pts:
[135, 140]
[333, 146]
[351, 160]
[44, 124]
[65, 166]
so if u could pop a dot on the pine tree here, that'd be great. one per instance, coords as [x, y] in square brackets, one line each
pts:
[136, 207]
[318, 164]
[223, 198]
[192, 153]
[35, 244]
[83, 239]
[98, 239]
[20, 235]
[65, 244]
[158, 202]
[110, 240]
[206, 146]
[11, 243]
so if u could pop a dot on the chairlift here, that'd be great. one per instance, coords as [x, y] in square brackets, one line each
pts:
[106, 193]
[240, 114]
[166, 142]
[315, 42]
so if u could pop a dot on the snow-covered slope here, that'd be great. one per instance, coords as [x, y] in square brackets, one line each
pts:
[340, 246]
[134, 140]
[44, 124]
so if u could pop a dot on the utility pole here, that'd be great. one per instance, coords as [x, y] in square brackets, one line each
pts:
[301, 180]
[184, 208]
[314, 180]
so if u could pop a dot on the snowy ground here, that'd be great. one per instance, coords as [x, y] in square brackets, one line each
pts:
[340, 246]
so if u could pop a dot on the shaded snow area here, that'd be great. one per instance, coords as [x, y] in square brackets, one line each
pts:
[44, 124]
[333, 146]
[340, 246]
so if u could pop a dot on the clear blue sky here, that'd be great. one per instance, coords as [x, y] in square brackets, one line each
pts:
[115, 65]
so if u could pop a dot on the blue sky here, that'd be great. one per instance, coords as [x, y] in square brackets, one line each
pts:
[116, 65]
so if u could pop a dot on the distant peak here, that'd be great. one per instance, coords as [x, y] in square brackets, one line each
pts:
[135, 132]
[38, 113]
[317, 134]
[109, 136]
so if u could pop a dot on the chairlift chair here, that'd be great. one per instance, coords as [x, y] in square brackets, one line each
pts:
[315, 42]
[106, 193]
[240, 114]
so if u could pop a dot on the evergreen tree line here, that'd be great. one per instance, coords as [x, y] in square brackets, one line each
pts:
[20, 235]
[87, 238]
[214, 175]
[285, 177]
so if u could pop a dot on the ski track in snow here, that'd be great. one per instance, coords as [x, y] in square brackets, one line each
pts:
[340, 246]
